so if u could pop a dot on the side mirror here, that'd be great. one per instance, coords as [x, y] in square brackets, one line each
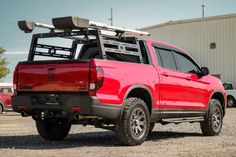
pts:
[204, 71]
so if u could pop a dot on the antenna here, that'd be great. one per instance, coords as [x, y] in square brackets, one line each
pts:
[111, 18]
[203, 11]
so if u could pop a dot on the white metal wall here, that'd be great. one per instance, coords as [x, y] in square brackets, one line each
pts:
[195, 37]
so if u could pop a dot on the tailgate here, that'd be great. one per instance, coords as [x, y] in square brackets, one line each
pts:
[54, 76]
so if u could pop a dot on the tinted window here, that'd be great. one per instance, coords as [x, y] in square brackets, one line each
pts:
[159, 62]
[145, 54]
[166, 59]
[186, 64]
[91, 51]
[6, 90]
[122, 57]
[228, 86]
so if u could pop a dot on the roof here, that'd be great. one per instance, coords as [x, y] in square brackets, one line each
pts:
[191, 21]
[166, 44]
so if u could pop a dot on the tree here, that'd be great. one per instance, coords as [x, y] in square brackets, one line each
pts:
[3, 64]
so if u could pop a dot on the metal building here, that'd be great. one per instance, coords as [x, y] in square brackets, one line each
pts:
[210, 40]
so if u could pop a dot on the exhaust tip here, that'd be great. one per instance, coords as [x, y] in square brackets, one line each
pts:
[76, 116]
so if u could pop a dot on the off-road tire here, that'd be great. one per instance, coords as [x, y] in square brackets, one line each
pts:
[230, 102]
[212, 124]
[53, 129]
[128, 120]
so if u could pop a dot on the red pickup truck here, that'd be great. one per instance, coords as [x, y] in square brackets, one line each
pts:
[6, 91]
[114, 82]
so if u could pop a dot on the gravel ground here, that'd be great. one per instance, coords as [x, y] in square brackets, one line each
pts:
[18, 137]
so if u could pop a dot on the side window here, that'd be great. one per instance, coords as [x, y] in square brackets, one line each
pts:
[158, 57]
[186, 64]
[228, 86]
[165, 59]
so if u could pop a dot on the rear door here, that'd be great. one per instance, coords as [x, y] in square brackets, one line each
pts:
[172, 88]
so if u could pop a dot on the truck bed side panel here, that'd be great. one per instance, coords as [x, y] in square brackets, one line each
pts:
[121, 76]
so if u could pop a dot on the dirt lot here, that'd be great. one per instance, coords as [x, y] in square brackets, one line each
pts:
[18, 137]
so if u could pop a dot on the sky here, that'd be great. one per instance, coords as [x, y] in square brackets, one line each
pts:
[127, 13]
[132, 14]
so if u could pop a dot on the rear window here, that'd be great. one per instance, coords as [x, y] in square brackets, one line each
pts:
[91, 51]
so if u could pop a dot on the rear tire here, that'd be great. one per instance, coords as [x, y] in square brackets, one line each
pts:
[230, 102]
[53, 129]
[133, 127]
[212, 124]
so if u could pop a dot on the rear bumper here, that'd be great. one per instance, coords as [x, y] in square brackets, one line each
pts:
[67, 105]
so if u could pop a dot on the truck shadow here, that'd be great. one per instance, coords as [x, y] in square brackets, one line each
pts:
[92, 139]
[165, 135]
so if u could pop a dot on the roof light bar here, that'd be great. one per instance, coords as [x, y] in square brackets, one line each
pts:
[75, 22]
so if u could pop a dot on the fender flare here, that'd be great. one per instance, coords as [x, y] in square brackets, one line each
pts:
[138, 86]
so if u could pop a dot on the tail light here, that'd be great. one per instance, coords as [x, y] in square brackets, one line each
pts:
[15, 80]
[96, 75]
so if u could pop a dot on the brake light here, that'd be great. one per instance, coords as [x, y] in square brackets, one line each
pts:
[15, 80]
[93, 74]
[96, 75]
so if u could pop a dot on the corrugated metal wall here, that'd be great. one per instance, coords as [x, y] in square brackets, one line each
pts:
[195, 37]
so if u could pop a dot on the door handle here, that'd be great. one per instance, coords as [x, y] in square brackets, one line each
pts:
[189, 79]
[165, 74]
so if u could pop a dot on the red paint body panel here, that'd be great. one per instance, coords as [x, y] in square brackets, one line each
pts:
[5, 98]
[53, 77]
[120, 76]
[184, 91]
[176, 91]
